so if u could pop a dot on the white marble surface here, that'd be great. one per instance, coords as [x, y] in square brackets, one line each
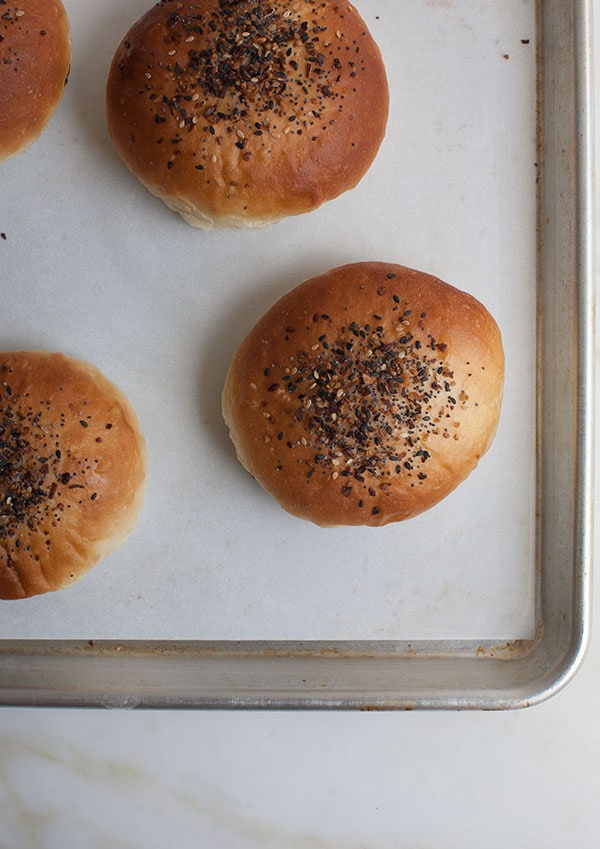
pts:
[122, 780]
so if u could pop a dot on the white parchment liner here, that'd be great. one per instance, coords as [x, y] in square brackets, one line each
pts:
[94, 266]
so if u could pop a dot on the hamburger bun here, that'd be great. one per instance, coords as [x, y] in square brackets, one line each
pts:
[35, 54]
[72, 471]
[366, 395]
[237, 113]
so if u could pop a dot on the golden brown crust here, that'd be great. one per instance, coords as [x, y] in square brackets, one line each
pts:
[366, 395]
[35, 54]
[240, 112]
[72, 471]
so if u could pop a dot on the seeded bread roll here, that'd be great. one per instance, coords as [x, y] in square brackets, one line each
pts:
[366, 395]
[237, 113]
[72, 471]
[35, 53]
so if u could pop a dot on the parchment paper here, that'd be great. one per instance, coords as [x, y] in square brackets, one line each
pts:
[94, 266]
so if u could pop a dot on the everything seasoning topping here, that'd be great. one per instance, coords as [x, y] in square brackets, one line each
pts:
[35, 488]
[247, 69]
[362, 403]
[10, 16]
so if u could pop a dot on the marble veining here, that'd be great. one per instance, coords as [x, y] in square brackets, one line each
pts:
[79, 783]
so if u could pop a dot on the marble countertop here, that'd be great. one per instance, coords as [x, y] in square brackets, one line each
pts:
[135, 780]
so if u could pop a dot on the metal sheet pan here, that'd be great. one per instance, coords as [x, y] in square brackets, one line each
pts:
[430, 673]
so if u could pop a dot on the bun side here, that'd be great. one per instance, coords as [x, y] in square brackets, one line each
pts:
[366, 395]
[72, 470]
[35, 55]
[238, 114]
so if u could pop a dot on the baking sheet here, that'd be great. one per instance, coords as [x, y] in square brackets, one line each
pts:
[94, 266]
